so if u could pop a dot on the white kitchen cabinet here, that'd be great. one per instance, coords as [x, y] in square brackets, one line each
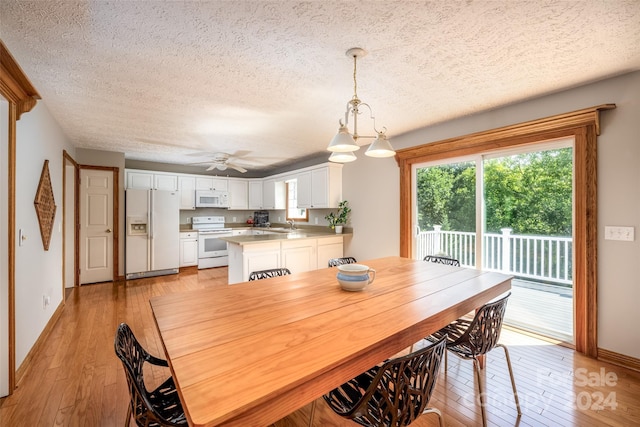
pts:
[320, 187]
[188, 248]
[303, 186]
[212, 183]
[255, 194]
[299, 255]
[165, 182]
[139, 180]
[328, 248]
[187, 188]
[148, 180]
[238, 194]
[262, 257]
[273, 194]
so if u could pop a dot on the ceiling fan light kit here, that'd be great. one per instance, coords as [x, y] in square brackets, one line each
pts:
[345, 143]
[221, 162]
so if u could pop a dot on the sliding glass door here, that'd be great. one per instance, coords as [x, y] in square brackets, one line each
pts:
[511, 212]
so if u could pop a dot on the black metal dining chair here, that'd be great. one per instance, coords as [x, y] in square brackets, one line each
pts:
[469, 339]
[266, 274]
[160, 407]
[440, 259]
[334, 262]
[394, 393]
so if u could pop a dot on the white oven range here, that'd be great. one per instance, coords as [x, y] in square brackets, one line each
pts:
[212, 252]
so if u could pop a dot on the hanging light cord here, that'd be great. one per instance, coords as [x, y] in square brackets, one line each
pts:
[355, 82]
[355, 104]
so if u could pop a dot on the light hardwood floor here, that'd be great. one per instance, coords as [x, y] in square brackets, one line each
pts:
[77, 380]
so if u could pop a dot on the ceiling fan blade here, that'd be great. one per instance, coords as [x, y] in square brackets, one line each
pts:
[210, 168]
[236, 167]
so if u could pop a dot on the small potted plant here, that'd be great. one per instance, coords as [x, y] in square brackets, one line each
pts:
[339, 219]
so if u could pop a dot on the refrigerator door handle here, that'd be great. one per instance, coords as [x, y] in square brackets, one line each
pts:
[150, 222]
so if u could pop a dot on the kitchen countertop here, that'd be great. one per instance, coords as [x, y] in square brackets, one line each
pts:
[281, 235]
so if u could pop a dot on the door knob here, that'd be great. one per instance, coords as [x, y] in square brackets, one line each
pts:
[108, 230]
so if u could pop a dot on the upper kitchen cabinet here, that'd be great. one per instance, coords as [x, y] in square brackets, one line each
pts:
[238, 194]
[145, 180]
[212, 183]
[274, 194]
[255, 194]
[320, 187]
[187, 187]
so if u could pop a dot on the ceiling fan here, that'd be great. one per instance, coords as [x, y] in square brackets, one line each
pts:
[221, 162]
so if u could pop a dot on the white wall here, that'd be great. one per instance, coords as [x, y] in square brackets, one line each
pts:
[38, 272]
[372, 188]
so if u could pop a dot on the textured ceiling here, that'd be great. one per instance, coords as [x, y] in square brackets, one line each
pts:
[167, 81]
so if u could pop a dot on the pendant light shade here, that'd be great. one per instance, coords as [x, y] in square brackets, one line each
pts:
[343, 142]
[344, 157]
[381, 147]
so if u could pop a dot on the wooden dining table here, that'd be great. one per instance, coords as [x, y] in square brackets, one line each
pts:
[251, 353]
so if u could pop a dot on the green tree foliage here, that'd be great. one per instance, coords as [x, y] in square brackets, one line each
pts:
[530, 193]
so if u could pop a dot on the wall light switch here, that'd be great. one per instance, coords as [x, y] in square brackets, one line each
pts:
[619, 233]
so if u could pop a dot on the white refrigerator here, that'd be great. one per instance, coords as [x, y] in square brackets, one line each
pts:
[153, 233]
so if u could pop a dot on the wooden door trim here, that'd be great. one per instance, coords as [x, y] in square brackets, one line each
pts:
[584, 126]
[116, 218]
[22, 96]
[66, 157]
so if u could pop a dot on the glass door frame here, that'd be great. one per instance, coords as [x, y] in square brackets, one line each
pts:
[584, 126]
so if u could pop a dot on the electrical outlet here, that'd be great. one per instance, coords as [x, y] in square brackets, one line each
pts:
[188, 220]
[619, 233]
[316, 218]
[279, 219]
[233, 219]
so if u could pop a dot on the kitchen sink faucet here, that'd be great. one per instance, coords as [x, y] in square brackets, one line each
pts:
[290, 221]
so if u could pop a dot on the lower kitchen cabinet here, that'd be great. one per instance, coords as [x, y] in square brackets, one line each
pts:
[188, 248]
[299, 255]
[257, 256]
[328, 248]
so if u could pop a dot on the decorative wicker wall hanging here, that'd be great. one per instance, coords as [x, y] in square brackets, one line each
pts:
[45, 206]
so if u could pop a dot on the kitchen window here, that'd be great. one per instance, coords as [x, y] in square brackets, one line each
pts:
[294, 213]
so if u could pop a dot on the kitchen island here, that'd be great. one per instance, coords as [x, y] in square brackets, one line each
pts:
[298, 250]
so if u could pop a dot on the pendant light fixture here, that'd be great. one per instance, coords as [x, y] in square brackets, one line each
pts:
[344, 143]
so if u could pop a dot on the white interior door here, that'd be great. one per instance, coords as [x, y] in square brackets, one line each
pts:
[4, 248]
[96, 226]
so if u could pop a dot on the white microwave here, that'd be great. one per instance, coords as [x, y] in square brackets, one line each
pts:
[212, 199]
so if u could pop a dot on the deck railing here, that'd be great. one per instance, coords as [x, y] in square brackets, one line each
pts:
[543, 258]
